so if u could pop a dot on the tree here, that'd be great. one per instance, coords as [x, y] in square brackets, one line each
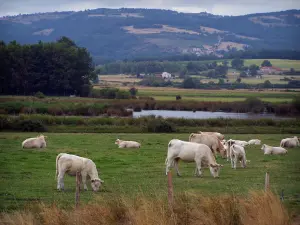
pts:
[243, 74]
[267, 84]
[239, 80]
[221, 81]
[237, 63]
[225, 63]
[266, 63]
[189, 82]
[253, 69]
[133, 91]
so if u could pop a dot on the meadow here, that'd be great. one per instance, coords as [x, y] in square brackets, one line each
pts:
[28, 176]
[167, 94]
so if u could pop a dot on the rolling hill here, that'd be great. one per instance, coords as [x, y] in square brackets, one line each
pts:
[130, 33]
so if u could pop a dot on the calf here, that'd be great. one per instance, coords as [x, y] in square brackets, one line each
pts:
[237, 153]
[210, 140]
[218, 135]
[127, 144]
[268, 150]
[37, 142]
[289, 142]
[254, 142]
[191, 152]
[70, 164]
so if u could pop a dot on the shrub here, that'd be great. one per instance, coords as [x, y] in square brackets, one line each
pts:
[39, 95]
[31, 126]
[161, 126]
[178, 97]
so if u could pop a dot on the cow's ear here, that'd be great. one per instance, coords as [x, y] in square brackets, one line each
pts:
[220, 165]
[212, 165]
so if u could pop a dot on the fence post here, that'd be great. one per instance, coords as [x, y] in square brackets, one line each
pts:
[282, 195]
[77, 193]
[170, 189]
[267, 181]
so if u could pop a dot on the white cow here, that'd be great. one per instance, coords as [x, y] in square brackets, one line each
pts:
[217, 134]
[227, 149]
[210, 140]
[268, 150]
[70, 164]
[240, 143]
[254, 142]
[37, 142]
[289, 142]
[127, 144]
[191, 152]
[237, 153]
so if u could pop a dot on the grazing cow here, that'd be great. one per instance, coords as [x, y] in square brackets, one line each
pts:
[237, 153]
[269, 150]
[289, 142]
[70, 164]
[210, 140]
[218, 135]
[37, 142]
[254, 142]
[191, 152]
[127, 144]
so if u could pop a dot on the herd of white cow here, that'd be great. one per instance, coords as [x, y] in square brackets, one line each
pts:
[201, 149]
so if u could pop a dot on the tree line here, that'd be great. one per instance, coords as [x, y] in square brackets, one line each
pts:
[54, 68]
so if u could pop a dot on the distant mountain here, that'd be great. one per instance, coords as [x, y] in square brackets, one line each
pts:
[131, 33]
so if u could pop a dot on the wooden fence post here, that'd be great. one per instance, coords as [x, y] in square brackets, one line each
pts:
[267, 181]
[170, 189]
[77, 193]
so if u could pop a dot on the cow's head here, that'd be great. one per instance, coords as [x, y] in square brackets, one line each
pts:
[215, 169]
[96, 184]
[263, 147]
[41, 136]
[117, 141]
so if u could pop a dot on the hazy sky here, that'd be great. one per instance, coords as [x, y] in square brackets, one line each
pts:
[221, 7]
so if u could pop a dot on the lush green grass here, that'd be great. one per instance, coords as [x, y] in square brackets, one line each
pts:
[282, 63]
[216, 95]
[27, 175]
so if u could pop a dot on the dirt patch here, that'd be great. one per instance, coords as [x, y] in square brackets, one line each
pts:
[165, 28]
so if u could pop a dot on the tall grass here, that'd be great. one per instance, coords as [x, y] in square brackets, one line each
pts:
[259, 208]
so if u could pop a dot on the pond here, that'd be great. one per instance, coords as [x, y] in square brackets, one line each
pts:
[204, 114]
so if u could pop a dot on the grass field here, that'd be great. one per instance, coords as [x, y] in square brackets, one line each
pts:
[28, 175]
[285, 64]
[213, 95]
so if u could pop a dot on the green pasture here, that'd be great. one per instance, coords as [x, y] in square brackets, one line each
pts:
[215, 95]
[285, 64]
[28, 176]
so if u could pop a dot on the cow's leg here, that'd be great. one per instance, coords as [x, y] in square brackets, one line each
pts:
[198, 165]
[176, 167]
[83, 178]
[60, 180]
[168, 166]
[232, 161]
[235, 161]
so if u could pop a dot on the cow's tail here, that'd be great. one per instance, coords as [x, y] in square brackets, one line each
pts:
[191, 136]
[57, 158]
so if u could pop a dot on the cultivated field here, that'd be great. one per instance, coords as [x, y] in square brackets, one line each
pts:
[28, 175]
[165, 93]
[285, 64]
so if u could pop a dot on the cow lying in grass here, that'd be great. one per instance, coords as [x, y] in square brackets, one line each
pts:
[37, 142]
[289, 142]
[191, 152]
[127, 144]
[270, 150]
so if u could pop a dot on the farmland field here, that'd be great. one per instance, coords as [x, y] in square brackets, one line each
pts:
[285, 64]
[28, 175]
[213, 95]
